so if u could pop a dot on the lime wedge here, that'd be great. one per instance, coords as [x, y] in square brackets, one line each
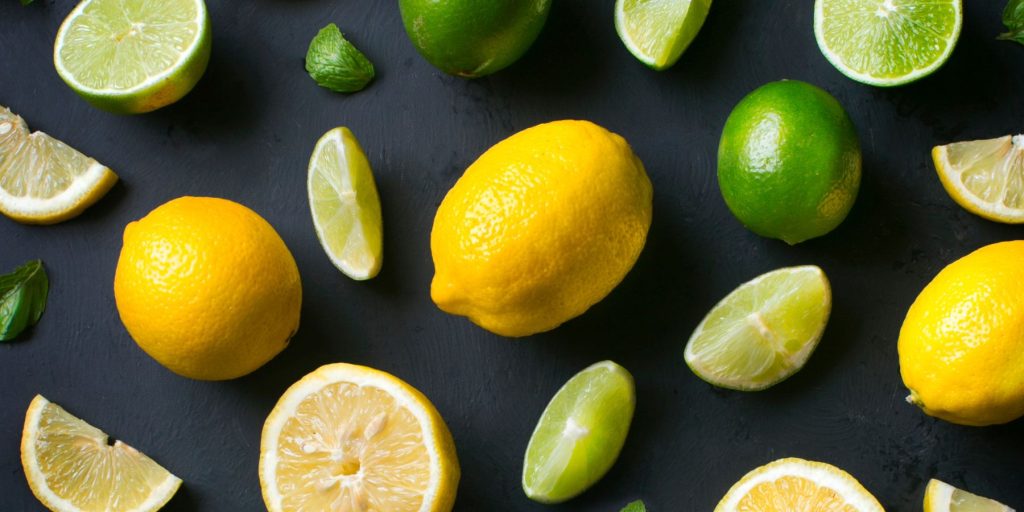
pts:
[658, 31]
[345, 205]
[887, 42]
[986, 177]
[942, 497]
[580, 433]
[133, 57]
[763, 331]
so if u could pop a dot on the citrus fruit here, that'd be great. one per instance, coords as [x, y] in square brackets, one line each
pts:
[985, 177]
[797, 484]
[207, 288]
[72, 467]
[942, 497]
[961, 346]
[350, 438]
[764, 331]
[43, 180]
[789, 161]
[345, 205]
[657, 32]
[469, 38]
[541, 227]
[133, 57]
[887, 42]
[580, 433]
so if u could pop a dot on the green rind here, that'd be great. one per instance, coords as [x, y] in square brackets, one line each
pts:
[692, 23]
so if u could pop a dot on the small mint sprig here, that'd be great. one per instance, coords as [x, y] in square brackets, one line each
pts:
[335, 63]
[22, 298]
[636, 506]
[1013, 18]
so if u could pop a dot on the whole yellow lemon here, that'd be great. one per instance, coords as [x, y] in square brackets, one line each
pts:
[541, 227]
[207, 288]
[962, 344]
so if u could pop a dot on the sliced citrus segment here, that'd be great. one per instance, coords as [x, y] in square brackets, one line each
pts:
[43, 180]
[345, 205]
[71, 466]
[762, 332]
[657, 32]
[133, 57]
[349, 438]
[887, 42]
[580, 433]
[942, 497]
[985, 177]
[797, 484]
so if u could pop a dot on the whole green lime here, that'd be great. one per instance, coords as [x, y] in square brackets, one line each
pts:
[473, 38]
[789, 161]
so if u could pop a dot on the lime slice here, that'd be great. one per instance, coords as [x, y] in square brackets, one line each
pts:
[345, 205]
[133, 57]
[763, 331]
[580, 433]
[43, 180]
[658, 31]
[986, 177]
[942, 497]
[887, 42]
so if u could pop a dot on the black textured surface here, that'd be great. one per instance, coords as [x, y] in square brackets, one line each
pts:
[246, 132]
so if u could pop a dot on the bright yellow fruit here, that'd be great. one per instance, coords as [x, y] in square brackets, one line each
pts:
[962, 344]
[541, 227]
[207, 288]
[348, 438]
[798, 485]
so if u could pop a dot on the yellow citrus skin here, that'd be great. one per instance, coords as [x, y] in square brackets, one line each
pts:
[961, 346]
[207, 288]
[541, 227]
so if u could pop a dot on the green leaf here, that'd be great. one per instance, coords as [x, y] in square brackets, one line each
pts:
[26, 2]
[334, 63]
[22, 298]
[1013, 18]
[636, 506]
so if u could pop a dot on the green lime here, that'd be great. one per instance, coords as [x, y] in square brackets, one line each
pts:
[789, 161]
[133, 57]
[470, 38]
[658, 31]
[345, 205]
[580, 433]
[763, 331]
[887, 42]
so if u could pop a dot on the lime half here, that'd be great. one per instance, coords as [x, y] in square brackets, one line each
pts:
[580, 433]
[658, 31]
[942, 497]
[345, 205]
[887, 42]
[763, 331]
[133, 57]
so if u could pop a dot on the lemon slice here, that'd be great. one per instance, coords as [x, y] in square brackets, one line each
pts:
[657, 32]
[71, 466]
[349, 438]
[942, 497]
[985, 177]
[43, 180]
[800, 485]
[345, 205]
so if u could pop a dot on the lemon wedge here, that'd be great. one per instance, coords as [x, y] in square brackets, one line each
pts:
[942, 497]
[985, 177]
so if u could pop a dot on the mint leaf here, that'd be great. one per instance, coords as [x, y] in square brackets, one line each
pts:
[636, 506]
[334, 63]
[26, 2]
[22, 298]
[1013, 18]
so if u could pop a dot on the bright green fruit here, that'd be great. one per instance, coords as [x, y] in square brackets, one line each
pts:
[470, 38]
[657, 32]
[762, 332]
[789, 161]
[580, 433]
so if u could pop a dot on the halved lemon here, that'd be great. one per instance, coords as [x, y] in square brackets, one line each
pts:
[71, 466]
[797, 484]
[985, 177]
[43, 180]
[349, 438]
[942, 497]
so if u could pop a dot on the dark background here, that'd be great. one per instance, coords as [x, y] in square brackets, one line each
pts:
[246, 132]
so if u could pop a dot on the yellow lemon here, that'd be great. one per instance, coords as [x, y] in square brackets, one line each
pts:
[541, 227]
[962, 344]
[207, 288]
